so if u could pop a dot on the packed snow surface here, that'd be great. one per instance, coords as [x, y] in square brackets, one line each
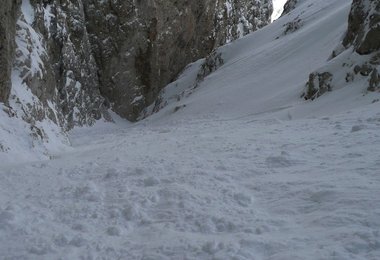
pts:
[238, 168]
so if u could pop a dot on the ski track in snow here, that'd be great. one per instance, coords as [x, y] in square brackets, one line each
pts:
[261, 189]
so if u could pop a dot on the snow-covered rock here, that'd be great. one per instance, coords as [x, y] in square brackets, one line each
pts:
[357, 57]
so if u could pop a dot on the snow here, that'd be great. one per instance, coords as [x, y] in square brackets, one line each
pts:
[244, 169]
[278, 8]
[28, 11]
[48, 16]
[30, 48]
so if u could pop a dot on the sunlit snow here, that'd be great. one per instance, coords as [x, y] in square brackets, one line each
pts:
[278, 8]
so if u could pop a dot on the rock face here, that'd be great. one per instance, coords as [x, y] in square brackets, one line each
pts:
[75, 59]
[364, 27]
[289, 6]
[8, 17]
[318, 84]
[363, 35]
[57, 64]
[141, 46]
[359, 52]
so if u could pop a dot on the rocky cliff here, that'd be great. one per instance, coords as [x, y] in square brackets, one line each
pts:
[364, 27]
[358, 55]
[77, 59]
[289, 6]
[141, 46]
[8, 18]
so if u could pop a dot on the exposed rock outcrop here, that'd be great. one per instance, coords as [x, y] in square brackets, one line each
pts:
[364, 35]
[8, 18]
[318, 84]
[79, 58]
[359, 52]
[54, 63]
[142, 46]
[289, 6]
[71, 60]
[212, 63]
[364, 27]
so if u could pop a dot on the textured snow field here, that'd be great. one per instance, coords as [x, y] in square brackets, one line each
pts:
[244, 169]
[253, 188]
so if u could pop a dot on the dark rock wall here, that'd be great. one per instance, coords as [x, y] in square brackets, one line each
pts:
[71, 61]
[363, 34]
[8, 17]
[141, 46]
[289, 6]
[53, 57]
[364, 27]
[81, 57]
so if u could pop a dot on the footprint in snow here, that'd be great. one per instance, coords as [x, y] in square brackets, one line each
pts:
[223, 225]
[113, 231]
[89, 193]
[60, 240]
[151, 181]
[323, 196]
[212, 247]
[132, 213]
[39, 247]
[357, 128]
[6, 217]
[243, 199]
[163, 131]
[111, 174]
[79, 227]
[353, 155]
[278, 162]
[77, 241]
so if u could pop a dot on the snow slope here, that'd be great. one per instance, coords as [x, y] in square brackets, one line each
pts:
[239, 167]
[267, 70]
